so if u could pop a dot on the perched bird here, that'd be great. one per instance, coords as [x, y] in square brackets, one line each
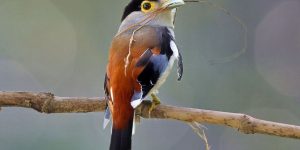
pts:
[140, 58]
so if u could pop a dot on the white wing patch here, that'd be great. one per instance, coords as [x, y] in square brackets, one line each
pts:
[137, 99]
[174, 49]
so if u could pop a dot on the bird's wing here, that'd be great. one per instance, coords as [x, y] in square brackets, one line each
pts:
[106, 86]
[154, 62]
[107, 113]
[179, 66]
[149, 67]
[153, 69]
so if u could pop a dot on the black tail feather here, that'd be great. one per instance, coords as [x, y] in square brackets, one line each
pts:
[121, 138]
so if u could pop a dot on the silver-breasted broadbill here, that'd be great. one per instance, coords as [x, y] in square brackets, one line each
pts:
[141, 56]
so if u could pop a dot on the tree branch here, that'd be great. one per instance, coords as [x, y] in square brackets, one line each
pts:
[48, 103]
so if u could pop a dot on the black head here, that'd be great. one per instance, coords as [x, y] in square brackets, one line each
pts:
[134, 5]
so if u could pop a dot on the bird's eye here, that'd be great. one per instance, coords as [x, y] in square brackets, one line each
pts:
[147, 6]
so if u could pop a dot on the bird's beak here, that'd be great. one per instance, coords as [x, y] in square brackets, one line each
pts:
[173, 3]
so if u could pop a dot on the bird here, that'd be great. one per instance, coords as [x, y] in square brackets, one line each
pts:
[141, 57]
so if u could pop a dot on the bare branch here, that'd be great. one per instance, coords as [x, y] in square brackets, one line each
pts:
[48, 103]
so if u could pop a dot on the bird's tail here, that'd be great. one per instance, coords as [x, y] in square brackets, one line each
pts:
[121, 137]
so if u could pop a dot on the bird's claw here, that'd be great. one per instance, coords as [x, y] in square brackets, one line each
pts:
[155, 102]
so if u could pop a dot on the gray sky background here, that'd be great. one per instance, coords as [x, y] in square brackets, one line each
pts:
[61, 46]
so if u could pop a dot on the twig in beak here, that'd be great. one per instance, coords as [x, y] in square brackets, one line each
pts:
[188, 1]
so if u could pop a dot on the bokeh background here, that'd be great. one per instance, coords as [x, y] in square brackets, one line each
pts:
[61, 46]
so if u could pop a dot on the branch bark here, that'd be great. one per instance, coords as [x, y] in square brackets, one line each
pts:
[48, 103]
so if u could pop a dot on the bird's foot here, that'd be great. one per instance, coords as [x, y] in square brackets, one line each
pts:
[154, 104]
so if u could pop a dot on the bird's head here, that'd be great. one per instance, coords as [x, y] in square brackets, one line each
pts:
[154, 12]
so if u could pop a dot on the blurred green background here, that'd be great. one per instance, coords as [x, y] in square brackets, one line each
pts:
[61, 46]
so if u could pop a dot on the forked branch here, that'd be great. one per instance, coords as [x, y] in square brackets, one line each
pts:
[48, 103]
